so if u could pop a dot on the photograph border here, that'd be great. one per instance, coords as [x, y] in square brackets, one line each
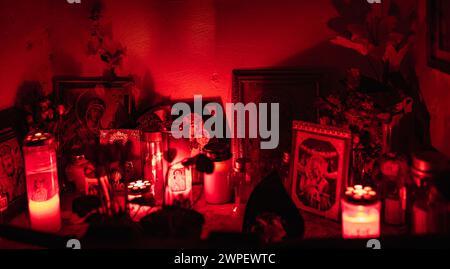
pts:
[18, 204]
[327, 133]
[433, 37]
[62, 83]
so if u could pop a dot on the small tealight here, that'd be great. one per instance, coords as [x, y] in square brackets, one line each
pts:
[359, 192]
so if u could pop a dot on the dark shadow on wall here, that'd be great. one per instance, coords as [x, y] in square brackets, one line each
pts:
[350, 12]
[333, 57]
[148, 96]
[27, 97]
[340, 59]
[62, 63]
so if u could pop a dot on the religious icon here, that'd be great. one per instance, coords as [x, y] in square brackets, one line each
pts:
[321, 161]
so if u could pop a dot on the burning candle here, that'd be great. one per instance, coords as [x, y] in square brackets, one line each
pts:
[360, 213]
[139, 188]
[42, 182]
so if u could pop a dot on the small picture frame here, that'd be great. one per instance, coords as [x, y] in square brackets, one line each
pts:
[439, 34]
[124, 147]
[96, 103]
[91, 104]
[92, 187]
[12, 176]
[320, 165]
[179, 186]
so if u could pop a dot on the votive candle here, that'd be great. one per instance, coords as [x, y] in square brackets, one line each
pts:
[360, 213]
[42, 182]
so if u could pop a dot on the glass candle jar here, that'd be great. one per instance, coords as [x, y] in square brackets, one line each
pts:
[153, 162]
[75, 172]
[42, 182]
[241, 178]
[394, 178]
[386, 127]
[140, 189]
[285, 170]
[430, 212]
[217, 185]
[3, 203]
[360, 213]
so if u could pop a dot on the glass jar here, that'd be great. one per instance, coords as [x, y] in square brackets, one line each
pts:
[42, 182]
[242, 179]
[430, 212]
[3, 202]
[360, 213]
[153, 162]
[284, 172]
[386, 129]
[217, 185]
[75, 172]
[394, 188]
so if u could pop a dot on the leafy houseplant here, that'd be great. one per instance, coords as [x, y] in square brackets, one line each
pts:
[384, 34]
[102, 43]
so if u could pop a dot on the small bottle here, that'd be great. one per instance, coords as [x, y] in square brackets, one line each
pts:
[394, 173]
[284, 171]
[241, 178]
[3, 205]
[386, 124]
[3, 201]
[75, 172]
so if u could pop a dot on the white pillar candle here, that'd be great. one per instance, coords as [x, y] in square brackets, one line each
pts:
[42, 183]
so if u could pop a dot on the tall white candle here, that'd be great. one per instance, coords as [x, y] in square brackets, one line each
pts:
[42, 183]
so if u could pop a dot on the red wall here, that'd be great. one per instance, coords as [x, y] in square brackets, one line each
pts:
[175, 47]
[178, 48]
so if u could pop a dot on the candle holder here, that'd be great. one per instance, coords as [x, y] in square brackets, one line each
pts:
[3, 202]
[42, 182]
[140, 189]
[152, 143]
[141, 199]
[217, 185]
[360, 213]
